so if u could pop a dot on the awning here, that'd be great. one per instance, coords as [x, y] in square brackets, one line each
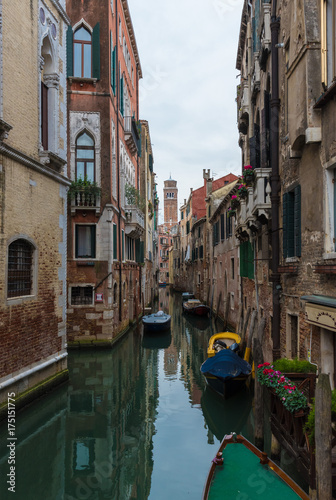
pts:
[323, 300]
[321, 311]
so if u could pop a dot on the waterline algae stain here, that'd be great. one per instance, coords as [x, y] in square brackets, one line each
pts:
[134, 422]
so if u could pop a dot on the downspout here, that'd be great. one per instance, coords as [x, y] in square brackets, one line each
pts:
[275, 180]
[118, 157]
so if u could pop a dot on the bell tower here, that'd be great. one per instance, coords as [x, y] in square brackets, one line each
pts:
[170, 193]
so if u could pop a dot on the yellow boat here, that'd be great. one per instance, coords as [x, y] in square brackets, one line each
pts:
[222, 340]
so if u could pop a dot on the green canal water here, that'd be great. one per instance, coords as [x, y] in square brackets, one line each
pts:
[135, 422]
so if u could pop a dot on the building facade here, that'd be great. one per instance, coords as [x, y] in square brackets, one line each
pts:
[106, 218]
[33, 229]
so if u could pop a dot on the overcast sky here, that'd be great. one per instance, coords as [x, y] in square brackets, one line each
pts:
[188, 54]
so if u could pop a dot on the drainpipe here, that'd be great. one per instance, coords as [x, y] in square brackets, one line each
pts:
[118, 157]
[275, 181]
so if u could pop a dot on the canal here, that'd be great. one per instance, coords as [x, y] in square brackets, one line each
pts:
[134, 422]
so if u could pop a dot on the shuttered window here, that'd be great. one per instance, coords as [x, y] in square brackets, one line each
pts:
[113, 63]
[292, 223]
[96, 51]
[222, 221]
[246, 255]
[115, 253]
[121, 95]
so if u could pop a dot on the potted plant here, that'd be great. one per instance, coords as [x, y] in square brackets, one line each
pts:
[86, 189]
[248, 175]
[234, 201]
[231, 212]
[283, 388]
[242, 191]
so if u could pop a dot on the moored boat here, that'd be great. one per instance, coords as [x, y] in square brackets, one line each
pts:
[187, 296]
[240, 470]
[156, 322]
[195, 306]
[226, 373]
[223, 340]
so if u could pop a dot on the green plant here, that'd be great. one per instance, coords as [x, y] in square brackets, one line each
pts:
[309, 427]
[294, 366]
[242, 190]
[248, 174]
[133, 197]
[291, 398]
[85, 186]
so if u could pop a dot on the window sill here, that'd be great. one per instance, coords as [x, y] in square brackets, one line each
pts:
[78, 79]
[329, 256]
[326, 96]
[290, 260]
[13, 301]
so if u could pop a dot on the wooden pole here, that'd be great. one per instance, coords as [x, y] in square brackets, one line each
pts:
[323, 438]
[258, 388]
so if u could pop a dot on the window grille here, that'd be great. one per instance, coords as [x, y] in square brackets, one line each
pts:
[81, 295]
[20, 262]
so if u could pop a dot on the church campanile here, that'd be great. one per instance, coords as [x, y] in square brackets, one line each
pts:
[170, 192]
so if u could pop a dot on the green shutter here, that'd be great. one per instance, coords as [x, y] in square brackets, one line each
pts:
[115, 254]
[242, 260]
[96, 51]
[69, 40]
[122, 245]
[76, 241]
[250, 261]
[297, 221]
[121, 104]
[93, 242]
[285, 224]
[111, 59]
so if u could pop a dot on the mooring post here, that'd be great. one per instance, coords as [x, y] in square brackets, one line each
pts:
[258, 358]
[323, 435]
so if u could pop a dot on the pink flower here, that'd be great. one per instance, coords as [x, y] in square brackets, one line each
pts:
[284, 399]
[248, 167]
[233, 197]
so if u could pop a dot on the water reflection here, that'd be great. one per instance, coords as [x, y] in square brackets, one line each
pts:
[133, 423]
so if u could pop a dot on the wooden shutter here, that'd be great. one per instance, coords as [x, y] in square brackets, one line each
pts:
[121, 104]
[111, 59]
[222, 227]
[250, 261]
[297, 221]
[122, 245]
[96, 51]
[69, 39]
[93, 242]
[115, 253]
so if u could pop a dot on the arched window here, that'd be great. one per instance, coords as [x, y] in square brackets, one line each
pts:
[82, 53]
[85, 158]
[20, 268]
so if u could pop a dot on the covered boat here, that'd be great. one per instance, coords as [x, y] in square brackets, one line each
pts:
[195, 306]
[223, 340]
[240, 470]
[226, 373]
[156, 322]
[187, 296]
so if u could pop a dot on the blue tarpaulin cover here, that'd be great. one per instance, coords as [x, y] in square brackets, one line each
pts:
[226, 364]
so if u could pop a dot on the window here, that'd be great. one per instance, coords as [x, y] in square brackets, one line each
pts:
[81, 295]
[20, 268]
[232, 268]
[44, 116]
[113, 52]
[222, 227]
[115, 293]
[82, 53]
[215, 234]
[182, 215]
[328, 41]
[122, 245]
[228, 225]
[246, 260]
[115, 240]
[85, 158]
[85, 245]
[292, 223]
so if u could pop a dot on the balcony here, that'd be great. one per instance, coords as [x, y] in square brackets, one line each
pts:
[132, 137]
[84, 199]
[243, 107]
[255, 208]
[135, 222]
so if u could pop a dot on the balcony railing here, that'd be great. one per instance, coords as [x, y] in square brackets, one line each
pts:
[256, 206]
[132, 137]
[135, 221]
[85, 200]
